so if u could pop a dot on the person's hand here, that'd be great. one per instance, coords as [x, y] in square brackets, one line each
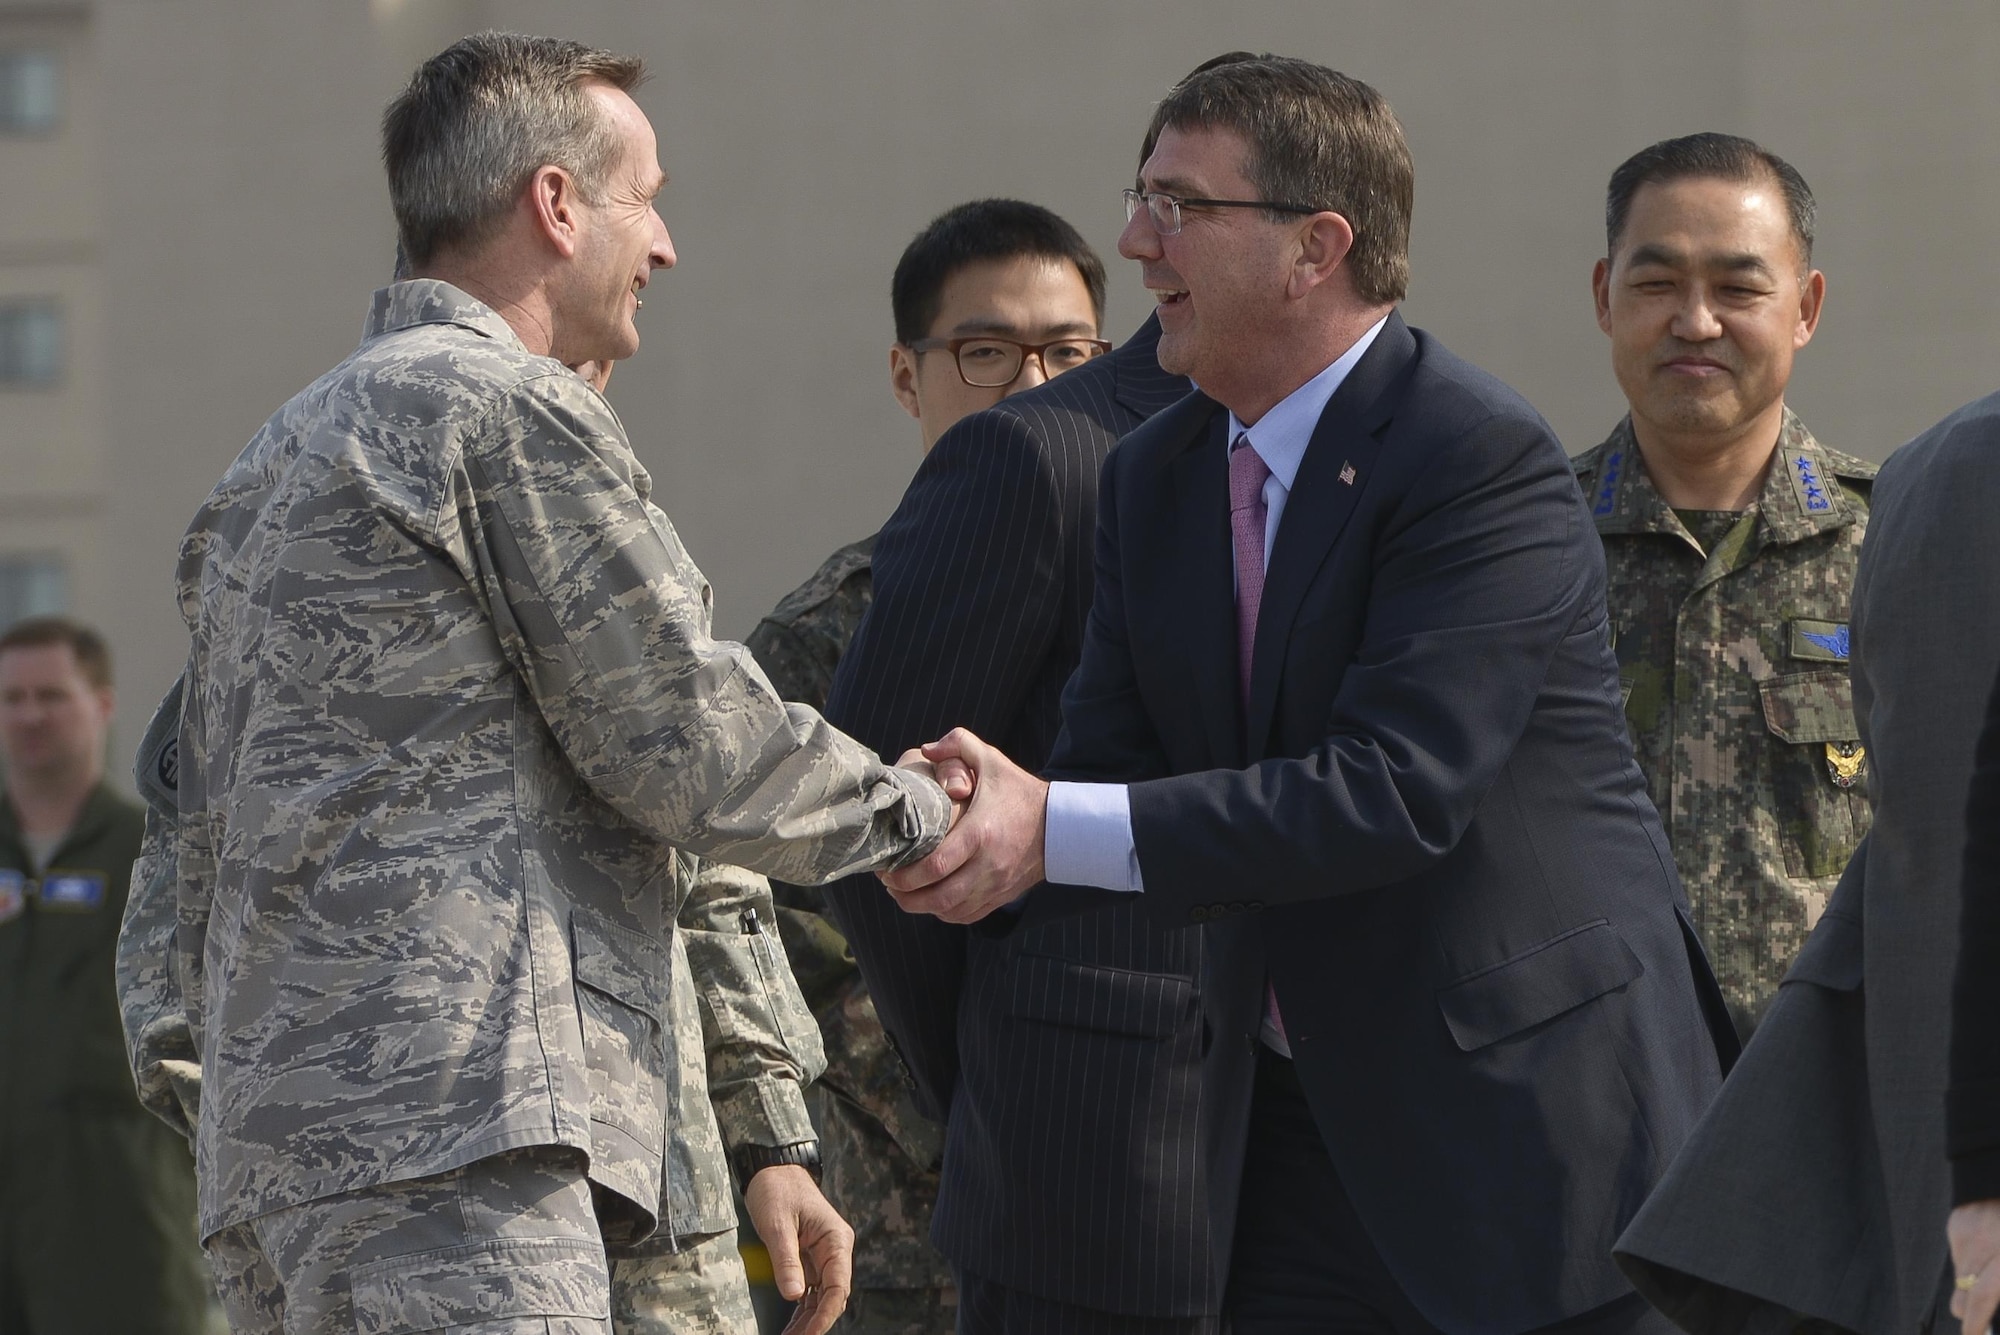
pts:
[1974, 1230]
[811, 1246]
[993, 855]
[597, 374]
[952, 775]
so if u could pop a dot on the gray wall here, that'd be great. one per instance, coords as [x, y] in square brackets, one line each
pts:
[243, 218]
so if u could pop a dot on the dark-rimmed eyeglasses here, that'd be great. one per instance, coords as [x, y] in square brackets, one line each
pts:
[1164, 211]
[986, 362]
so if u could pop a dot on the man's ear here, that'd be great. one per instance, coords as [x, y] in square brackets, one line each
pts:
[1600, 293]
[552, 201]
[903, 379]
[1812, 298]
[1324, 242]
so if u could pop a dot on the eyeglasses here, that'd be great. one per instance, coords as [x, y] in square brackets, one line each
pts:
[1164, 211]
[985, 362]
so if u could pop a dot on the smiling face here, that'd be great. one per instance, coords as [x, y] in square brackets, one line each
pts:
[1707, 298]
[1219, 284]
[620, 241]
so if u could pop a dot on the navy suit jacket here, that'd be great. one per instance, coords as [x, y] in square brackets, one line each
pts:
[1069, 1056]
[1429, 833]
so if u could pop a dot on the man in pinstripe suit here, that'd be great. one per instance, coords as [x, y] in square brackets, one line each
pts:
[1067, 1060]
[977, 284]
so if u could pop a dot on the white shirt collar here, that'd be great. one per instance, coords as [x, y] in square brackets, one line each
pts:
[1281, 435]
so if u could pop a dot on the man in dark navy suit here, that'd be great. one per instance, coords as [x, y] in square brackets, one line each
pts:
[1067, 1058]
[1347, 696]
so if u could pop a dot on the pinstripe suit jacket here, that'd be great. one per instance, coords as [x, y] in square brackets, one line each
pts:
[1069, 1055]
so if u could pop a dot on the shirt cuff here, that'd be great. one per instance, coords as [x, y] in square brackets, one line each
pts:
[1089, 837]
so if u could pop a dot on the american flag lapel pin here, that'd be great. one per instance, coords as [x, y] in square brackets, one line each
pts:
[1347, 473]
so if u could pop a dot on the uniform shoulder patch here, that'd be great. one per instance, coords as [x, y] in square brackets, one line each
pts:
[1812, 489]
[13, 893]
[167, 766]
[1820, 641]
[1604, 496]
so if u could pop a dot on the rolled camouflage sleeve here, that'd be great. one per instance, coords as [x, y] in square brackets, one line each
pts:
[607, 618]
[158, 1038]
[763, 1047]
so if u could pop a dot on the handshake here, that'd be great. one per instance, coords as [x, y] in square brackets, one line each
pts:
[993, 853]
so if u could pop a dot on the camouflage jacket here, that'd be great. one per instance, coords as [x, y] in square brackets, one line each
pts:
[1732, 653]
[880, 1153]
[743, 1045]
[452, 703]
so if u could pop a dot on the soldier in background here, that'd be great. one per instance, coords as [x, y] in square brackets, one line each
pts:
[979, 282]
[97, 1227]
[1732, 538]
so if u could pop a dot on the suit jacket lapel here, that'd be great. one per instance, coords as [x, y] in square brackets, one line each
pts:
[1335, 471]
[1205, 592]
[1140, 384]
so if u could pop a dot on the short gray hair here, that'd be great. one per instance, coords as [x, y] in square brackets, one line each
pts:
[481, 117]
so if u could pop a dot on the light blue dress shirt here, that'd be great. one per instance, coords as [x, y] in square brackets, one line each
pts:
[1089, 831]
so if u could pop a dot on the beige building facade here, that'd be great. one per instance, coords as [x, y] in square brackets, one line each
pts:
[192, 216]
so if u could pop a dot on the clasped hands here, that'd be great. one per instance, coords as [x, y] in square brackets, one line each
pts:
[993, 854]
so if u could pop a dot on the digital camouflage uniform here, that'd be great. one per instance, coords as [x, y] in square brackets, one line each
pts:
[744, 1045]
[452, 703]
[96, 1198]
[1731, 636]
[879, 1154]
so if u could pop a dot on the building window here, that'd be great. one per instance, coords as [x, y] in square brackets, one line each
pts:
[30, 92]
[31, 586]
[31, 343]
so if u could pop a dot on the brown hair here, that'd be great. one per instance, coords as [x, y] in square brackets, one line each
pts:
[93, 656]
[1318, 139]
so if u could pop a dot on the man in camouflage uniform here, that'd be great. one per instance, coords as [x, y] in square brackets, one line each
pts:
[1011, 271]
[744, 1047]
[451, 707]
[1732, 537]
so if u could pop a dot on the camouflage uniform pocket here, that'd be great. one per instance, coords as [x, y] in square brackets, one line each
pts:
[623, 982]
[467, 1287]
[1819, 822]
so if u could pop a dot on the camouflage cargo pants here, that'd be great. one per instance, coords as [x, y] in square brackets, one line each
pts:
[506, 1245]
[699, 1290]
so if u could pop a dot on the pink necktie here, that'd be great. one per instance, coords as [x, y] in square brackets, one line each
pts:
[1247, 513]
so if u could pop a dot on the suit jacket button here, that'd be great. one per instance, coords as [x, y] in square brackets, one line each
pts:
[1199, 913]
[1235, 906]
[1256, 906]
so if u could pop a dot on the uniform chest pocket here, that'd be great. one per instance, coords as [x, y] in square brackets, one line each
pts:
[1818, 771]
[623, 982]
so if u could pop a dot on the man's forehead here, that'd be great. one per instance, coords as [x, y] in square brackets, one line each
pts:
[38, 661]
[1184, 161]
[1696, 212]
[1015, 293]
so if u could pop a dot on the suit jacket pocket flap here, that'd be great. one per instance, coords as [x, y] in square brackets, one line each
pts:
[1558, 975]
[627, 966]
[1806, 707]
[1106, 1001]
[481, 1282]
